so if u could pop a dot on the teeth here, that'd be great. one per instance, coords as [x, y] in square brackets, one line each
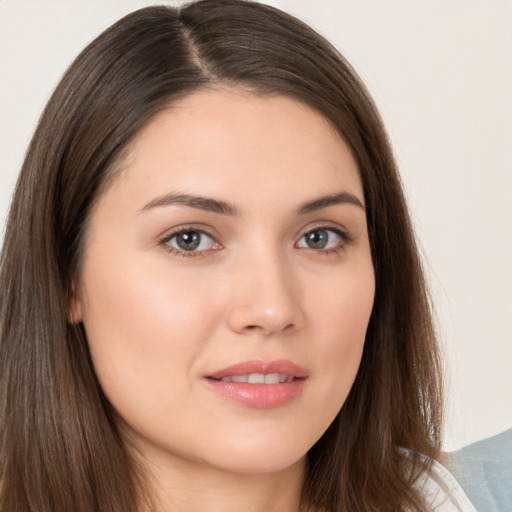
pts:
[259, 378]
[272, 378]
[256, 378]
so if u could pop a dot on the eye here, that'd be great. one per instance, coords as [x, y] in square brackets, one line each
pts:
[322, 238]
[189, 241]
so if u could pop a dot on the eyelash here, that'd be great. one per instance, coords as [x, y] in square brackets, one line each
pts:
[346, 239]
[164, 242]
[344, 236]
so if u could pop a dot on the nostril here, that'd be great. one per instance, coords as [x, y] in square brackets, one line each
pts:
[267, 331]
[257, 329]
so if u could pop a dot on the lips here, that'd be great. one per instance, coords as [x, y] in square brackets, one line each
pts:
[259, 384]
[282, 366]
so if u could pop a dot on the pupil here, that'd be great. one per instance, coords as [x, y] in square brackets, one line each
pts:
[317, 239]
[188, 241]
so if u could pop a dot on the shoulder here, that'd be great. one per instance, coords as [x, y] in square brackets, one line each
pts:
[442, 492]
[484, 470]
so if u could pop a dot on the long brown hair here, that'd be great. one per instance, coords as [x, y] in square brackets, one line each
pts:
[60, 449]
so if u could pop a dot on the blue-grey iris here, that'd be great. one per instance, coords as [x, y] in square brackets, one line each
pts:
[189, 240]
[317, 239]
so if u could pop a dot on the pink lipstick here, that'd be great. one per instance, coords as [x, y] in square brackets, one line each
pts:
[259, 384]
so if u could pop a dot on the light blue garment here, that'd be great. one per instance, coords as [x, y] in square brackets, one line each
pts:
[484, 470]
[441, 491]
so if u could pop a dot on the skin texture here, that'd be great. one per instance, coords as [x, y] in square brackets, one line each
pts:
[160, 319]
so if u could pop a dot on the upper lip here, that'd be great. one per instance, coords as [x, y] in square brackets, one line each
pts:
[264, 367]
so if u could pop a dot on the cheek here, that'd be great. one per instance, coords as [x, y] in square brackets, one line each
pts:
[340, 317]
[141, 304]
[143, 332]
[341, 308]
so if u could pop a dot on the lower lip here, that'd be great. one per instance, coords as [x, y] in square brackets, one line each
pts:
[259, 396]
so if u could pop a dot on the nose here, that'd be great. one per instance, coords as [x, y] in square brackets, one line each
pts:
[265, 299]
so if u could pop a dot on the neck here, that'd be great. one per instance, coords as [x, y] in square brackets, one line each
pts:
[193, 487]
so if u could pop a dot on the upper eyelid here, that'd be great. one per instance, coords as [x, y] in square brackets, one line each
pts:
[345, 236]
[327, 225]
[170, 233]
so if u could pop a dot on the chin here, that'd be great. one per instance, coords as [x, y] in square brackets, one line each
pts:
[264, 462]
[258, 455]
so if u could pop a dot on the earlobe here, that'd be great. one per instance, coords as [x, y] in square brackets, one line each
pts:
[75, 315]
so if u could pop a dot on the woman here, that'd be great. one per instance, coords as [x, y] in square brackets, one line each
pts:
[212, 297]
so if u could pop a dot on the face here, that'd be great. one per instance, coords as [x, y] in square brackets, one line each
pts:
[227, 282]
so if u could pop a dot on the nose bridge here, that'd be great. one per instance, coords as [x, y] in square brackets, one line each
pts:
[265, 299]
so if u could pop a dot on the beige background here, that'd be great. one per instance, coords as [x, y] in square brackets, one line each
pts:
[441, 73]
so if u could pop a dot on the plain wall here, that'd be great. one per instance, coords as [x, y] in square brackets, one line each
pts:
[440, 71]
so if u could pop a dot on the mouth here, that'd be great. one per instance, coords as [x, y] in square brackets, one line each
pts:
[259, 384]
[259, 378]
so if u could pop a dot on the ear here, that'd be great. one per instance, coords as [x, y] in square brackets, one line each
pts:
[75, 312]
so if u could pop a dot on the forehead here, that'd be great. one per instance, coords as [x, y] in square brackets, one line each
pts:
[231, 141]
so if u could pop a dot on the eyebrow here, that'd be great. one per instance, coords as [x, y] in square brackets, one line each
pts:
[223, 208]
[199, 202]
[331, 200]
